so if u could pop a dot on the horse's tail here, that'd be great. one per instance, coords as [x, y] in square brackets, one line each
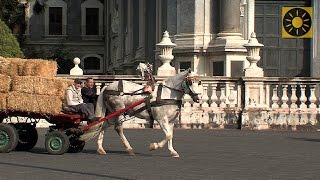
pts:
[100, 106]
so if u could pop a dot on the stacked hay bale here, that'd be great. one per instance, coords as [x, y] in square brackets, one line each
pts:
[31, 86]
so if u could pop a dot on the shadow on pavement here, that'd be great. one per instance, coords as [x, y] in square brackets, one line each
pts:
[305, 139]
[37, 150]
[60, 170]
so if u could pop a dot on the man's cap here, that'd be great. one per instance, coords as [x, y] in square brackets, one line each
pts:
[78, 81]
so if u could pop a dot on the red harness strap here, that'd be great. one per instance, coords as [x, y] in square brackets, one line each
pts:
[113, 114]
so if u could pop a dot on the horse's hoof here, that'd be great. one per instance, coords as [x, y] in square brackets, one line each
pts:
[174, 154]
[131, 152]
[153, 146]
[101, 152]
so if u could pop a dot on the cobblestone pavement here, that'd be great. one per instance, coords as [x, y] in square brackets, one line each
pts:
[205, 154]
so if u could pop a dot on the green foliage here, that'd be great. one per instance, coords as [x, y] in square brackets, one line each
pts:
[57, 52]
[9, 46]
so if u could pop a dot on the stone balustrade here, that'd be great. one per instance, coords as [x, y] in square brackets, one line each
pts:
[246, 103]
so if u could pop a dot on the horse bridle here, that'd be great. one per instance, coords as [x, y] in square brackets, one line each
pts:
[185, 84]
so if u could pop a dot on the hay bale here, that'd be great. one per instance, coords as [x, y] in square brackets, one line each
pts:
[42, 104]
[5, 82]
[39, 67]
[40, 85]
[3, 101]
[62, 85]
[11, 66]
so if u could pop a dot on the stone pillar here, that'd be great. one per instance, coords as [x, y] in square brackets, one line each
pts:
[229, 19]
[250, 14]
[315, 61]
[227, 49]
[193, 27]
[140, 54]
[128, 66]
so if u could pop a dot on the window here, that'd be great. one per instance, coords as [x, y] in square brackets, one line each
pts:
[184, 66]
[218, 68]
[55, 20]
[91, 63]
[92, 21]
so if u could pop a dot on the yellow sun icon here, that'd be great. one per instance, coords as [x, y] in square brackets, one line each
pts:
[296, 22]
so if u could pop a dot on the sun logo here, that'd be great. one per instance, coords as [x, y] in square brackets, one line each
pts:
[296, 22]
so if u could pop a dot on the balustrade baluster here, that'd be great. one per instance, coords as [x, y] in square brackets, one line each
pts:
[275, 97]
[303, 97]
[98, 88]
[312, 97]
[214, 96]
[222, 98]
[231, 96]
[205, 96]
[294, 97]
[284, 97]
[186, 101]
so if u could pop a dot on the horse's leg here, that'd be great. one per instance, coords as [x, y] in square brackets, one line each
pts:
[119, 128]
[168, 130]
[100, 149]
[173, 152]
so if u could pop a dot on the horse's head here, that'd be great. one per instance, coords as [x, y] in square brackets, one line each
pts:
[144, 69]
[191, 86]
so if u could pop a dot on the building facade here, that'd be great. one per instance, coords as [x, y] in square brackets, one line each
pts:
[113, 36]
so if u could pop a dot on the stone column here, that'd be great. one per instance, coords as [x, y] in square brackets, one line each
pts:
[229, 19]
[140, 54]
[129, 40]
[250, 14]
[227, 48]
[315, 61]
[193, 26]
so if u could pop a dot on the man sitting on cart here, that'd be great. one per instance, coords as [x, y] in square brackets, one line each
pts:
[74, 102]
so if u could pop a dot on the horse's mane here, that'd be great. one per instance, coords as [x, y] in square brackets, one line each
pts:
[176, 80]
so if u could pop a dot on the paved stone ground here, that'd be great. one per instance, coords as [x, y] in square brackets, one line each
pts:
[205, 154]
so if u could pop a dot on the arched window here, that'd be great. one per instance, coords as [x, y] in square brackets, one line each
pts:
[92, 64]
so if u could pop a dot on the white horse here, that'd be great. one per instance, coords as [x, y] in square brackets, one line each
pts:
[163, 106]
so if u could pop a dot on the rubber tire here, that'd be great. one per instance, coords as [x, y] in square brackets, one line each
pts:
[76, 146]
[28, 136]
[8, 133]
[57, 142]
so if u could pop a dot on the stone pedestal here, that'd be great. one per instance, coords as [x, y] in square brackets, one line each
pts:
[256, 72]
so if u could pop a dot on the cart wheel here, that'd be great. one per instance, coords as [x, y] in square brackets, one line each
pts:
[76, 146]
[28, 136]
[56, 142]
[8, 138]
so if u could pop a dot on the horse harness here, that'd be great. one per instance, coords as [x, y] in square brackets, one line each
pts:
[148, 104]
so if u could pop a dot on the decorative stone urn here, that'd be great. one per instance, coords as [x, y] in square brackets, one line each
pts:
[253, 47]
[166, 47]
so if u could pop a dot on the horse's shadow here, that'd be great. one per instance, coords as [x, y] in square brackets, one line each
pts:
[39, 150]
[305, 139]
